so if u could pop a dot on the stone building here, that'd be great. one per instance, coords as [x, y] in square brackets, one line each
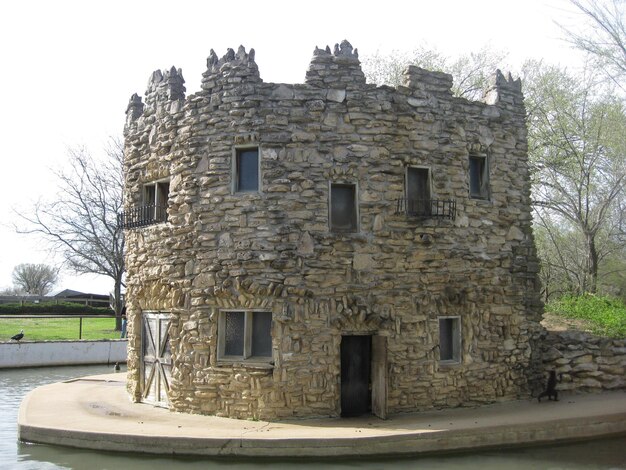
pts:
[328, 248]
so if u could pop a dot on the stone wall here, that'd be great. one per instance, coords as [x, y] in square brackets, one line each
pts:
[61, 353]
[273, 249]
[587, 363]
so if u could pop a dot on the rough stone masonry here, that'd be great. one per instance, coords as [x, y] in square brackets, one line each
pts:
[271, 226]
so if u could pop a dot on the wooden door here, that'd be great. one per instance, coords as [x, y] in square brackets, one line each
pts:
[355, 375]
[156, 367]
[379, 376]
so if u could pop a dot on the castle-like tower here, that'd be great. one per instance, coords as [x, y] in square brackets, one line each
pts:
[327, 248]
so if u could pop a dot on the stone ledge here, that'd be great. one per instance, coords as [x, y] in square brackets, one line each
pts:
[93, 414]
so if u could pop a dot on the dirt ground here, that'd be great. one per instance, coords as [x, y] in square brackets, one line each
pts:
[557, 323]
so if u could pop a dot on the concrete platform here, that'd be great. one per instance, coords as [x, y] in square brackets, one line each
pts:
[96, 413]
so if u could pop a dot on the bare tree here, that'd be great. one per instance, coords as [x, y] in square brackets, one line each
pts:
[471, 72]
[605, 36]
[12, 291]
[34, 279]
[82, 221]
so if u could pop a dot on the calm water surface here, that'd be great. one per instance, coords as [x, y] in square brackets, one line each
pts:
[14, 384]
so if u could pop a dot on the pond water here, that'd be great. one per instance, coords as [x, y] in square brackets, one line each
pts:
[14, 384]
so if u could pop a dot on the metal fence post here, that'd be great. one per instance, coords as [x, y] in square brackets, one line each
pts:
[80, 328]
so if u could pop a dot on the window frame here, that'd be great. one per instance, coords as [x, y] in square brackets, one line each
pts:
[456, 339]
[484, 190]
[159, 198]
[429, 188]
[247, 337]
[356, 226]
[237, 151]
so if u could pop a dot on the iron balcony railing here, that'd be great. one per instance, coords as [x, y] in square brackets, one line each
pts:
[427, 208]
[141, 216]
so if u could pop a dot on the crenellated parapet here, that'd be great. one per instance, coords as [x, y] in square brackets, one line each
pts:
[134, 110]
[505, 92]
[231, 70]
[165, 92]
[427, 82]
[164, 87]
[340, 68]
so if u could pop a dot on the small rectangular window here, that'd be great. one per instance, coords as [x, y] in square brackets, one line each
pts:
[261, 334]
[418, 191]
[245, 335]
[149, 193]
[450, 339]
[343, 208]
[246, 170]
[154, 201]
[162, 193]
[479, 177]
[234, 333]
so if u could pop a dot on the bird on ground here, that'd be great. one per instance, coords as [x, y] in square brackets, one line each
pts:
[116, 368]
[18, 336]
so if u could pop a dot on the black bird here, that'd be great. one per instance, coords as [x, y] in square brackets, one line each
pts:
[116, 368]
[18, 336]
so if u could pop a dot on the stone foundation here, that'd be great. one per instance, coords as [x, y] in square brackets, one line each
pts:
[586, 363]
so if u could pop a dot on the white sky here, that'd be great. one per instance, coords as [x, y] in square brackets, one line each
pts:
[68, 68]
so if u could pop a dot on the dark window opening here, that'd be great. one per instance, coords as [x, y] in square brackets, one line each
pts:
[152, 207]
[261, 334]
[247, 170]
[155, 196]
[449, 339]
[479, 177]
[343, 210]
[418, 191]
[149, 194]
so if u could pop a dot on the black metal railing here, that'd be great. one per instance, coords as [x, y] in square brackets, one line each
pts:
[427, 208]
[59, 327]
[141, 216]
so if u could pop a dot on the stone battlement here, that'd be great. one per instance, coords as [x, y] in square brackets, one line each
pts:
[339, 69]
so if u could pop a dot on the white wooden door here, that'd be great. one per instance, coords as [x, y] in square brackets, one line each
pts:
[156, 368]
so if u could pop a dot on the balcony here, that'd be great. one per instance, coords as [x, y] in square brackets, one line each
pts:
[142, 216]
[427, 208]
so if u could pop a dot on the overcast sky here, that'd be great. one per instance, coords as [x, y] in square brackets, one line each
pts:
[69, 68]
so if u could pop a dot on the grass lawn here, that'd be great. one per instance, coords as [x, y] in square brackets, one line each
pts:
[40, 329]
[601, 315]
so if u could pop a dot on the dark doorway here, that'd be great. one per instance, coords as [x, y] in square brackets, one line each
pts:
[356, 366]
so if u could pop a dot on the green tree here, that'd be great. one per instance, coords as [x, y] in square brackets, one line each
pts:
[577, 149]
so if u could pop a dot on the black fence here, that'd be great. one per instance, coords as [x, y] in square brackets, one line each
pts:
[427, 208]
[141, 216]
[102, 301]
[57, 327]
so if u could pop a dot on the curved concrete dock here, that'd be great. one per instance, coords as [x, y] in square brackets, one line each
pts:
[96, 413]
